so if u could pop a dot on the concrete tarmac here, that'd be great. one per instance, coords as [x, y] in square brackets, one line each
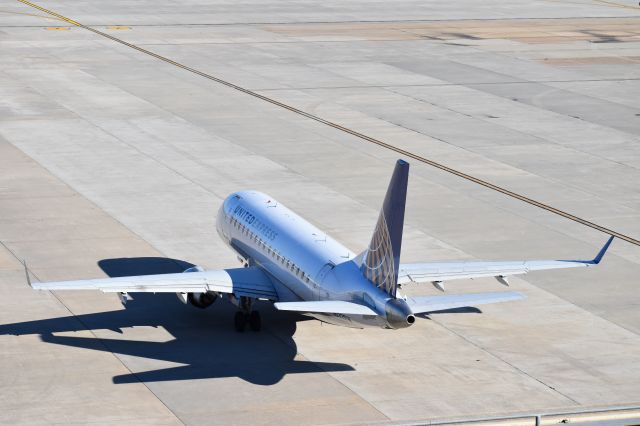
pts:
[113, 163]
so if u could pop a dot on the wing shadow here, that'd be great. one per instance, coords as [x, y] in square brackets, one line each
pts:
[204, 340]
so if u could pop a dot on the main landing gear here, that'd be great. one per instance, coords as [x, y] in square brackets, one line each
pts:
[247, 316]
[242, 319]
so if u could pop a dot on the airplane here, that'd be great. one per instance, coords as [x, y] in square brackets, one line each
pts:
[290, 262]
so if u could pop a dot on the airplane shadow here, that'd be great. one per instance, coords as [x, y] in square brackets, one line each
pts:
[463, 310]
[204, 340]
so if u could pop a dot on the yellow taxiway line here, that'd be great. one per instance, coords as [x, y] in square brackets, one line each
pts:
[359, 135]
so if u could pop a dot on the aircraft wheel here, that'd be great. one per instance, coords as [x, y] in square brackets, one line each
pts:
[255, 322]
[240, 321]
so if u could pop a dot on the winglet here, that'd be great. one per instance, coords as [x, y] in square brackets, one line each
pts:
[26, 272]
[603, 250]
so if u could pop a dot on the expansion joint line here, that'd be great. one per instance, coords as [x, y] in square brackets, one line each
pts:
[359, 135]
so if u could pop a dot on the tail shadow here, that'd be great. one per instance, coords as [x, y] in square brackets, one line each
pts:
[463, 310]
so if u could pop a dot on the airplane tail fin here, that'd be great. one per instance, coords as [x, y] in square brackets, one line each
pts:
[380, 261]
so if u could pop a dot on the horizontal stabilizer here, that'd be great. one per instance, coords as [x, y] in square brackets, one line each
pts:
[442, 303]
[326, 307]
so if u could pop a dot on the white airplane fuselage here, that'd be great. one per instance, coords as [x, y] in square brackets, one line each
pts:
[305, 263]
[301, 269]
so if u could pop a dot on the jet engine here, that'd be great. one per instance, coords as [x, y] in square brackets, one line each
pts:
[199, 300]
[202, 300]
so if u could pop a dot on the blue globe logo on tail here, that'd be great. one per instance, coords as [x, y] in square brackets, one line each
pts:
[380, 261]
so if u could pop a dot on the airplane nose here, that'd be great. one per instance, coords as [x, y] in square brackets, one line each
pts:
[399, 314]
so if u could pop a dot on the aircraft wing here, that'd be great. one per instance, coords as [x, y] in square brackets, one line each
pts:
[424, 304]
[250, 282]
[445, 271]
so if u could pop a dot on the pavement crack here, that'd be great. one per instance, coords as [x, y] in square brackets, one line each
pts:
[501, 359]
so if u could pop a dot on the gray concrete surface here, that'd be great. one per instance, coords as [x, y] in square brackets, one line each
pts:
[113, 162]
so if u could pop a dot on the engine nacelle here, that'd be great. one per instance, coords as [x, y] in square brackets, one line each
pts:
[202, 300]
[199, 300]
